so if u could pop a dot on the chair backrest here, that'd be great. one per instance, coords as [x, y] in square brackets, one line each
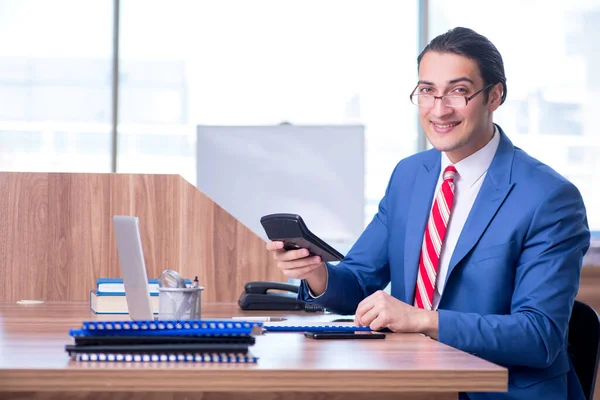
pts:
[584, 345]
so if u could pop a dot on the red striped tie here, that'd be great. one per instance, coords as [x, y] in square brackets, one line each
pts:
[433, 240]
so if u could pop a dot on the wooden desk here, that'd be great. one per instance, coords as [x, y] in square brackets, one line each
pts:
[34, 365]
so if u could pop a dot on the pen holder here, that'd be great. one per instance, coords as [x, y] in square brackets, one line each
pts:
[179, 303]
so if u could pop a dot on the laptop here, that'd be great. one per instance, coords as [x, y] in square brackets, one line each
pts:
[133, 267]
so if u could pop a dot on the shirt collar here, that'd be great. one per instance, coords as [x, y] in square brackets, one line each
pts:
[472, 168]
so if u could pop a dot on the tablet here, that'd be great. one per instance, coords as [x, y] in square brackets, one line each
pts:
[133, 267]
[293, 232]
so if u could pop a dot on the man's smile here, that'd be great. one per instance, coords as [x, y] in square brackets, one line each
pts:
[444, 127]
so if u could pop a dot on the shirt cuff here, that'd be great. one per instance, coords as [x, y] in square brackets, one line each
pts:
[310, 293]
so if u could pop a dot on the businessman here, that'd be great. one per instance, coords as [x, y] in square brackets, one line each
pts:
[482, 244]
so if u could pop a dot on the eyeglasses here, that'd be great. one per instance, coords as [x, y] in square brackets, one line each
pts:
[428, 100]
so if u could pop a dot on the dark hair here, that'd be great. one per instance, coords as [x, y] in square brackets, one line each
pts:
[468, 43]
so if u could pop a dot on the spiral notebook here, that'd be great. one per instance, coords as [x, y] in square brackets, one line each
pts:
[168, 328]
[224, 341]
[159, 348]
[315, 328]
[135, 340]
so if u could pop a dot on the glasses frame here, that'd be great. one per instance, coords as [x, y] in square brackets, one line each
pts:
[441, 98]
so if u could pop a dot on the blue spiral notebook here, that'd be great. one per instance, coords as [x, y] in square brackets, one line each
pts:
[168, 328]
[315, 328]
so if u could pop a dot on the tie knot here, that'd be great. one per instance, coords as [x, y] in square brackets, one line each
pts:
[449, 173]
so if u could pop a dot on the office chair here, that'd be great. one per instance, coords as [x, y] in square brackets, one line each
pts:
[584, 345]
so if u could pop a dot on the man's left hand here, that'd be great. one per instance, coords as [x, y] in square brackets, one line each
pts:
[380, 310]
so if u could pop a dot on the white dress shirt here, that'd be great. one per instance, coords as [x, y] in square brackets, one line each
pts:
[471, 172]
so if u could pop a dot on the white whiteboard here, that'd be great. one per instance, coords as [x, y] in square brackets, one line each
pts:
[315, 171]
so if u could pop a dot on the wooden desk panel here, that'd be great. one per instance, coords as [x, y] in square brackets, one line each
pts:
[57, 236]
[33, 361]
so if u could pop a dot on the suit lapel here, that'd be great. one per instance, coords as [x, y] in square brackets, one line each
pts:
[418, 212]
[494, 190]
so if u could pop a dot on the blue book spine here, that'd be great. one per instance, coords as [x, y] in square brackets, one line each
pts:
[119, 280]
[105, 294]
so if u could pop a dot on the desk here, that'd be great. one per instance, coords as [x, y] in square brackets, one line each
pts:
[34, 365]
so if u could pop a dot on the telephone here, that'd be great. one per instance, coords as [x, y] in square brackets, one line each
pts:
[263, 295]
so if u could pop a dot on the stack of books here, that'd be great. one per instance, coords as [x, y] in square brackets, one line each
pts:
[109, 296]
[158, 341]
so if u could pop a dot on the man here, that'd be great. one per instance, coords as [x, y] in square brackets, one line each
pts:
[482, 244]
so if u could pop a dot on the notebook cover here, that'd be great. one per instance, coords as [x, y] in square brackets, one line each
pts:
[117, 340]
[160, 348]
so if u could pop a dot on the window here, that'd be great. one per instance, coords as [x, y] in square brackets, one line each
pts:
[552, 77]
[55, 85]
[264, 62]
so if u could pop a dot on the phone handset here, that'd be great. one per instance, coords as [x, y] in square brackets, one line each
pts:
[261, 287]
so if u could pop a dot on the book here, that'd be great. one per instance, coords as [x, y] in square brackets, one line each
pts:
[116, 285]
[115, 303]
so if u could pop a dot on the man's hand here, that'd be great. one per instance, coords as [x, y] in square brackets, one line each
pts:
[297, 264]
[380, 310]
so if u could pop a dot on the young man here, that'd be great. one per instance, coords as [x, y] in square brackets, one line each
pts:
[483, 244]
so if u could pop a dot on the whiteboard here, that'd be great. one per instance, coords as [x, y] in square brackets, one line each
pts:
[314, 171]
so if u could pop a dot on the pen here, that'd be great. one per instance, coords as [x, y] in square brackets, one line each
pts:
[260, 319]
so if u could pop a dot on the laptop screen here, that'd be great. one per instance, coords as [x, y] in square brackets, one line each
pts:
[133, 267]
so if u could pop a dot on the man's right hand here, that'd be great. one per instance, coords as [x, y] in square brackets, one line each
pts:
[297, 264]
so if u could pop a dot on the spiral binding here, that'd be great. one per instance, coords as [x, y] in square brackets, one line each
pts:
[315, 328]
[164, 332]
[168, 328]
[169, 325]
[167, 357]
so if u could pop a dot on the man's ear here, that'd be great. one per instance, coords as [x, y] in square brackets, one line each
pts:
[495, 97]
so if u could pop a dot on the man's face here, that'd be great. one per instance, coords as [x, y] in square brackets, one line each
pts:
[459, 132]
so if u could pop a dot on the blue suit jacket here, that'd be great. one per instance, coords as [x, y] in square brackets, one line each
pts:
[513, 275]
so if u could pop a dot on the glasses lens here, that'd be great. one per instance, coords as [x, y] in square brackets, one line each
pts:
[423, 100]
[455, 101]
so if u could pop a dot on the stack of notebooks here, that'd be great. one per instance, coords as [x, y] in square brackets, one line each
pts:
[155, 341]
